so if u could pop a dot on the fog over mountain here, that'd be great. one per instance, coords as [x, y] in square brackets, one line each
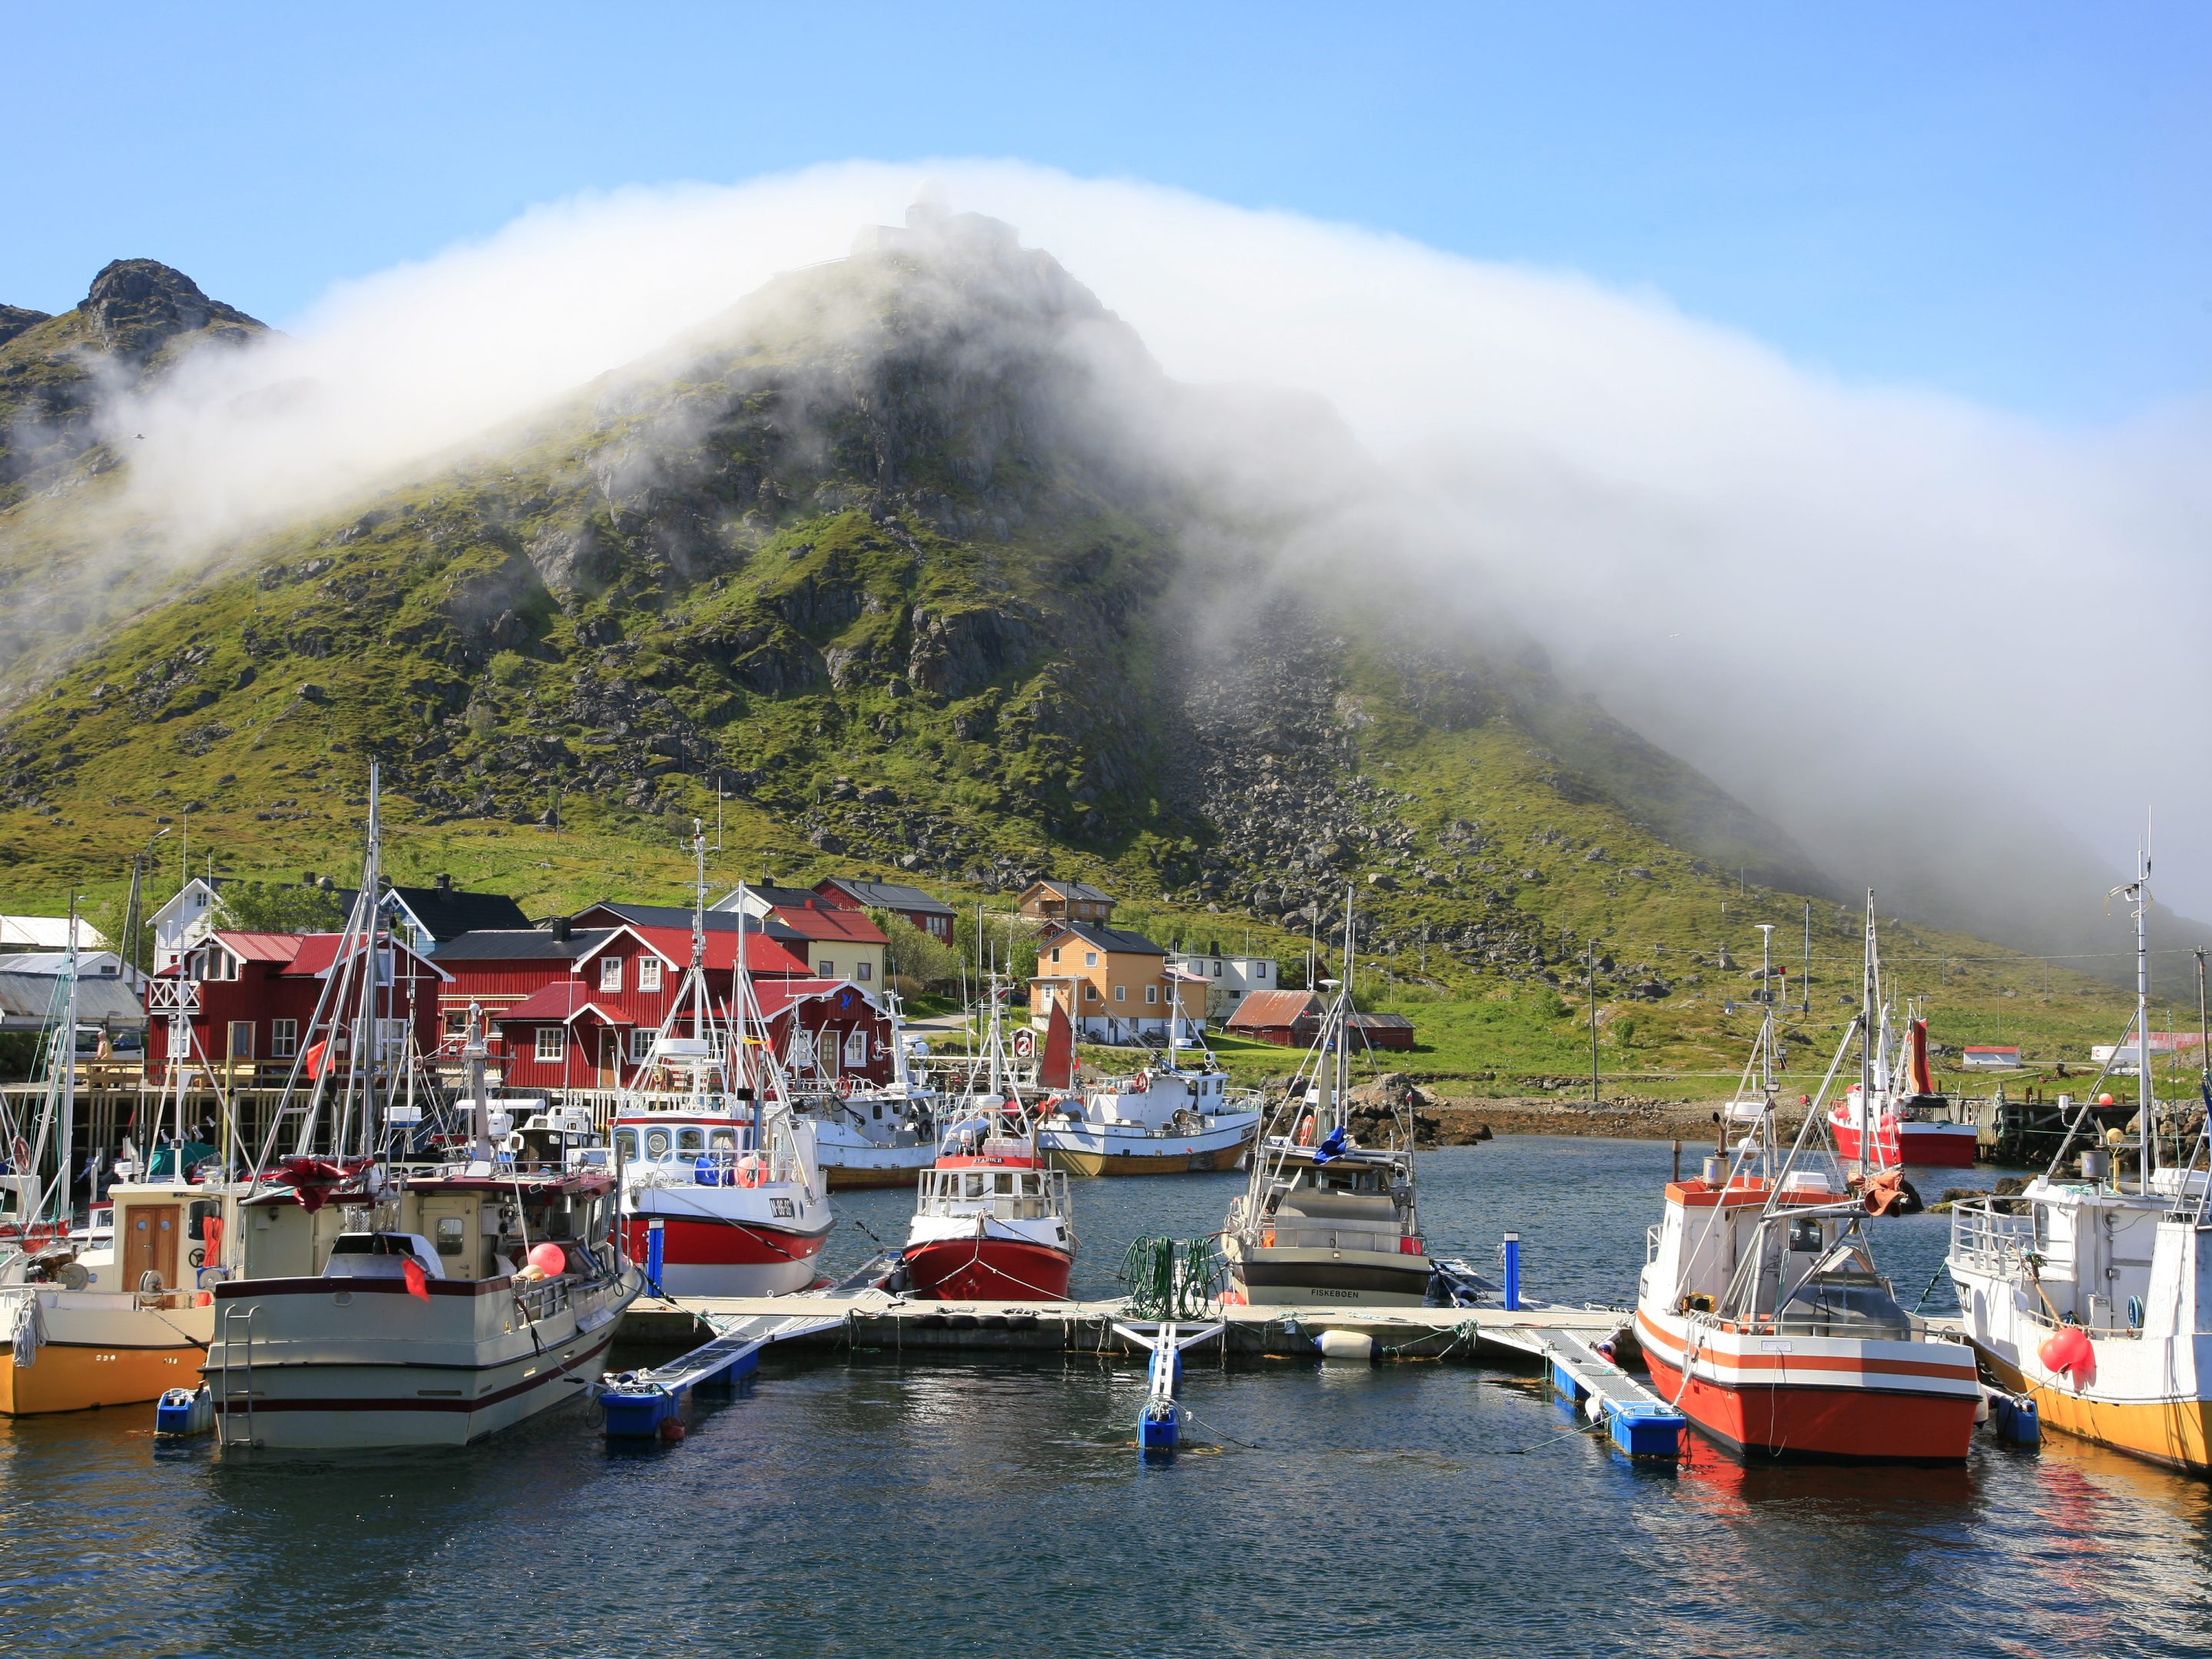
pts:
[1949, 651]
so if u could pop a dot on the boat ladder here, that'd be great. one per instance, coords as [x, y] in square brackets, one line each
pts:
[237, 1335]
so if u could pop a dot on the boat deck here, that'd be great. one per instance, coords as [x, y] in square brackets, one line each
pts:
[877, 1319]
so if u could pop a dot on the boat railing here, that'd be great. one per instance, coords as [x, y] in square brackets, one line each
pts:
[1992, 1240]
[1279, 1236]
[541, 1300]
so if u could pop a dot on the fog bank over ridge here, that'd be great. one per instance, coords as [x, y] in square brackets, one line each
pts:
[1930, 639]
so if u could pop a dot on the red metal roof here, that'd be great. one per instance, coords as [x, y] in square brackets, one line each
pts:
[1272, 1008]
[826, 921]
[266, 947]
[315, 953]
[564, 1001]
[778, 994]
[762, 954]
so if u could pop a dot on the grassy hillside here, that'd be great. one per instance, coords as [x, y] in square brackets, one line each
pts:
[857, 558]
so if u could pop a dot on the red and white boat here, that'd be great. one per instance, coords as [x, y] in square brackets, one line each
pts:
[1906, 1124]
[721, 1192]
[1763, 1318]
[990, 1219]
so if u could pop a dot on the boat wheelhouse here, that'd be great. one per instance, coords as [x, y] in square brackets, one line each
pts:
[1158, 1121]
[1324, 1220]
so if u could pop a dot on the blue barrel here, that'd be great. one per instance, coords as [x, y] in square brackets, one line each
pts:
[656, 1245]
[1512, 1272]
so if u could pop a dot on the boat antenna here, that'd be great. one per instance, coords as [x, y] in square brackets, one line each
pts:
[67, 1145]
[1868, 983]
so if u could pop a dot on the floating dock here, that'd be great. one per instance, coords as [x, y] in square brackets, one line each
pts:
[877, 1320]
[1640, 1423]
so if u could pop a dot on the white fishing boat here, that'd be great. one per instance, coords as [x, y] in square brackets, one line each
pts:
[1323, 1218]
[2091, 1293]
[1760, 1311]
[384, 1304]
[1163, 1120]
[721, 1194]
[865, 1135]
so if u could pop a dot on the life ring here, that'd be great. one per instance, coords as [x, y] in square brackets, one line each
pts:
[845, 1086]
[1305, 1130]
[1140, 1083]
[749, 1171]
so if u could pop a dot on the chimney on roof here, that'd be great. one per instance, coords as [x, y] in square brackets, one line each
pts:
[445, 881]
[307, 878]
[561, 928]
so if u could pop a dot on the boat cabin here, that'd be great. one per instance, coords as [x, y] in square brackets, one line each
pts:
[474, 1226]
[1801, 1266]
[1357, 1201]
[1005, 1189]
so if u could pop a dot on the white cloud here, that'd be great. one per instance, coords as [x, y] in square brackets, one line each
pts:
[1871, 610]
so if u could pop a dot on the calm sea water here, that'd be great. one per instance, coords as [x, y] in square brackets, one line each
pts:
[863, 1506]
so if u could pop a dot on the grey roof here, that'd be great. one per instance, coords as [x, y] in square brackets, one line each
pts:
[679, 915]
[1379, 1022]
[1072, 890]
[448, 914]
[520, 945]
[1110, 938]
[891, 896]
[28, 1001]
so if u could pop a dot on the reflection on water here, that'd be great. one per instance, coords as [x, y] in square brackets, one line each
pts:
[868, 1505]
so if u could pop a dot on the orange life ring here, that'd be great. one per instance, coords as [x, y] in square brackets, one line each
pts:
[1305, 1130]
[845, 1086]
[1140, 1083]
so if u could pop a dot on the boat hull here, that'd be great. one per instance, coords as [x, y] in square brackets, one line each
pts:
[1283, 1278]
[1114, 1158]
[2175, 1433]
[724, 1257]
[1929, 1146]
[983, 1268]
[387, 1369]
[101, 1349]
[1849, 1403]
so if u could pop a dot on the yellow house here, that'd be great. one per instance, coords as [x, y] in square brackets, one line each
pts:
[1114, 985]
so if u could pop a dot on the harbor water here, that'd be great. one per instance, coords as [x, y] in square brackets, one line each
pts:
[867, 1505]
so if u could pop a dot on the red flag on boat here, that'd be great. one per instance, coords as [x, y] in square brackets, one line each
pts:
[418, 1282]
[315, 1058]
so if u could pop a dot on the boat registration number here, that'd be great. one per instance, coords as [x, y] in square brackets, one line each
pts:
[1769, 1345]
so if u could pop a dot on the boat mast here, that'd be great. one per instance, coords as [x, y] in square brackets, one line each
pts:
[365, 1049]
[2144, 1103]
[1767, 997]
[1344, 1022]
[1865, 1037]
[67, 1144]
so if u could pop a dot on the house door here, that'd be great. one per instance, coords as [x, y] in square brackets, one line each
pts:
[826, 1047]
[150, 1245]
[611, 1059]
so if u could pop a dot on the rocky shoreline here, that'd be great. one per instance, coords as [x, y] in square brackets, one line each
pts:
[1441, 1120]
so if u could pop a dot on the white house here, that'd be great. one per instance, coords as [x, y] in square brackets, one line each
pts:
[184, 922]
[47, 934]
[1229, 979]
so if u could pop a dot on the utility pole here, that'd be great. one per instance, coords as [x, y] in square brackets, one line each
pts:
[1593, 1003]
[718, 811]
[1805, 986]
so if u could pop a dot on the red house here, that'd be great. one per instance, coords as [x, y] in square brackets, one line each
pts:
[1289, 1019]
[256, 994]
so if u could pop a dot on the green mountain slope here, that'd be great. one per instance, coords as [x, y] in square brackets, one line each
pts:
[887, 556]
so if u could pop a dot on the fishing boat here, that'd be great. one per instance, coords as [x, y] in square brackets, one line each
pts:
[382, 1302]
[991, 1220]
[2088, 1292]
[865, 1135]
[1898, 1115]
[115, 1311]
[720, 1192]
[1322, 1218]
[1162, 1120]
[1761, 1313]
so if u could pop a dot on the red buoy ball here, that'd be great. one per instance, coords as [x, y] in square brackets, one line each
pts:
[548, 1259]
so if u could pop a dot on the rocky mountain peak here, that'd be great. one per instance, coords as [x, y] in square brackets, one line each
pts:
[14, 319]
[135, 306]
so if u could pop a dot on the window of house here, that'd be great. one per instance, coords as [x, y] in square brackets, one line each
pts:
[1089, 992]
[240, 1040]
[1055, 953]
[1216, 969]
[1090, 958]
[1261, 971]
[826, 969]
[1121, 994]
[856, 1047]
[548, 1043]
[641, 1045]
[1151, 993]
[283, 1038]
[861, 972]
[611, 973]
[649, 973]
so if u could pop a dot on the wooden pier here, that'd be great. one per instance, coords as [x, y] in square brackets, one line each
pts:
[880, 1321]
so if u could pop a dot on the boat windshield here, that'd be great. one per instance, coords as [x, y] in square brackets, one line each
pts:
[1846, 1303]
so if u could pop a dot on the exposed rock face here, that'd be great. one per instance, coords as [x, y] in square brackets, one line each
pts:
[135, 306]
[14, 319]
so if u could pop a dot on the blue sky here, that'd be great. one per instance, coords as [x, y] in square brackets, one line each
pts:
[2009, 202]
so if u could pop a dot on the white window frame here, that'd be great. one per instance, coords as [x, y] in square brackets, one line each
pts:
[559, 1045]
[1121, 994]
[1090, 958]
[1153, 994]
[649, 973]
[610, 973]
[283, 1038]
[641, 1044]
[856, 1046]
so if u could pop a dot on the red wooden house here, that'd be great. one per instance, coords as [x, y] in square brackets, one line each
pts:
[257, 996]
[910, 905]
